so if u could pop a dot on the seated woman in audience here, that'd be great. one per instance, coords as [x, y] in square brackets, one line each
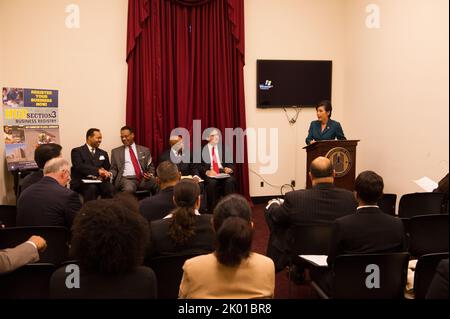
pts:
[184, 230]
[232, 271]
[109, 238]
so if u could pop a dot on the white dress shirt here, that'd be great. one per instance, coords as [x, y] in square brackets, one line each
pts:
[216, 151]
[128, 168]
[90, 148]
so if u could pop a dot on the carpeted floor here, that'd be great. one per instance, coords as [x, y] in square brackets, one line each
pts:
[260, 239]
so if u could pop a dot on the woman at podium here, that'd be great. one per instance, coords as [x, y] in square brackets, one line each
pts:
[324, 128]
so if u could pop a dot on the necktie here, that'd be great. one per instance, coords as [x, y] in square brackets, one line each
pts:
[93, 151]
[214, 160]
[137, 168]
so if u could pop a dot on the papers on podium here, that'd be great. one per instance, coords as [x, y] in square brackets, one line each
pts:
[426, 184]
[316, 260]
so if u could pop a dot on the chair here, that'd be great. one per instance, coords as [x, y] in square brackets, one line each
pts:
[350, 275]
[142, 194]
[8, 215]
[428, 234]
[420, 204]
[169, 271]
[424, 273]
[387, 203]
[28, 282]
[57, 238]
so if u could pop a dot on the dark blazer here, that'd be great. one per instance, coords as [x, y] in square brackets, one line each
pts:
[318, 205]
[46, 203]
[205, 165]
[439, 285]
[83, 164]
[138, 284]
[332, 131]
[31, 179]
[184, 168]
[118, 161]
[163, 245]
[368, 231]
[158, 206]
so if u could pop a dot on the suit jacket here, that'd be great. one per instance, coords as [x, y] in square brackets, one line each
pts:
[118, 161]
[205, 278]
[139, 283]
[84, 164]
[321, 204]
[13, 258]
[31, 179]
[163, 245]
[158, 206]
[332, 131]
[184, 168]
[46, 203]
[368, 231]
[205, 165]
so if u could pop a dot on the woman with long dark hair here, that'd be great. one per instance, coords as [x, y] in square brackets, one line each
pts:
[233, 270]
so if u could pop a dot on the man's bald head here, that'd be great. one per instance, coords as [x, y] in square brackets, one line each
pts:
[321, 167]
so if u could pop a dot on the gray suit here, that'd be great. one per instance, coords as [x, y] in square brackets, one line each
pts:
[13, 258]
[127, 183]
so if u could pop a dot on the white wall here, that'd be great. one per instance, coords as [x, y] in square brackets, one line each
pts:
[396, 90]
[87, 66]
[296, 30]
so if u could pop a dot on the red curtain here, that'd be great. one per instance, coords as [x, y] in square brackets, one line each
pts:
[185, 62]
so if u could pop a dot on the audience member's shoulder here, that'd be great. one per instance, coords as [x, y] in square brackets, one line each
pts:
[203, 260]
[261, 259]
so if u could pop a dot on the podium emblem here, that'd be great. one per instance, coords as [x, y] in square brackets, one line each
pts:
[341, 160]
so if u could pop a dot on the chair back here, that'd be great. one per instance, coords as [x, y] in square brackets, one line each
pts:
[8, 215]
[428, 234]
[57, 239]
[424, 273]
[370, 276]
[420, 204]
[387, 203]
[313, 239]
[28, 282]
[168, 271]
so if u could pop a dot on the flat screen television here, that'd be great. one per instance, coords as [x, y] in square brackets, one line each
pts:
[289, 83]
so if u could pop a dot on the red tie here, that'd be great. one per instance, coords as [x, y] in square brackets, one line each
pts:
[137, 168]
[214, 159]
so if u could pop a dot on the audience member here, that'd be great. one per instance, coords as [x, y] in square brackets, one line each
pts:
[232, 271]
[160, 205]
[48, 202]
[109, 239]
[321, 204]
[25, 253]
[42, 154]
[184, 230]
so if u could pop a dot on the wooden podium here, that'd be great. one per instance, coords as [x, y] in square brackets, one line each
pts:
[343, 156]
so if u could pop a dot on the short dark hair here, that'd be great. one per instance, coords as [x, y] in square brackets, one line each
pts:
[182, 226]
[234, 233]
[126, 127]
[46, 152]
[326, 105]
[108, 237]
[319, 172]
[369, 187]
[91, 132]
[167, 172]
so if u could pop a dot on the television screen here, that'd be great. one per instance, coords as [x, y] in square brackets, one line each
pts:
[286, 83]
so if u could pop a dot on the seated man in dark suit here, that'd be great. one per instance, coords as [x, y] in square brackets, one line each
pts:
[368, 231]
[48, 202]
[132, 166]
[161, 204]
[321, 204]
[92, 163]
[215, 162]
[42, 154]
[176, 155]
